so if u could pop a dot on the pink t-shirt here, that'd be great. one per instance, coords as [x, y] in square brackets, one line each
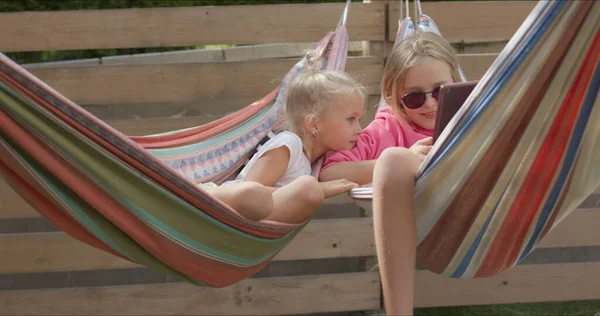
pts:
[384, 131]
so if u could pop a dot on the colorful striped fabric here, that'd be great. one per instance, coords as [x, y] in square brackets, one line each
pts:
[406, 28]
[521, 154]
[138, 198]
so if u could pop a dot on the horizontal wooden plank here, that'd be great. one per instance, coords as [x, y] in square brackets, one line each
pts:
[203, 110]
[185, 82]
[470, 21]
[273, 296]
[65, 63]
[479, 47]
[185, 26]
[50, 252]
[204, 81]
[159, 125]
[576, 230]
[475, 65]
[134, 125]
[267, 51]
[147, 118]
[326, 293]
[236, 53]
[521, 284]
[12, 205]
[331, 238]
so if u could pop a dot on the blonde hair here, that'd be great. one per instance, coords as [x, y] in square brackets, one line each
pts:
[411, 51]
[310, 92]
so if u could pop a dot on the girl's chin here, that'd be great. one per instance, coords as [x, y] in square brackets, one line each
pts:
[427, 124]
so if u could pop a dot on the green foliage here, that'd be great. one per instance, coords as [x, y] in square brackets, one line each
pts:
[48, 56]
[65, 5]
[576, 308]
[55, 5]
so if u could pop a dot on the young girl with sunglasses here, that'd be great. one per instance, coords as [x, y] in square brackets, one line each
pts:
[389, 153]
[322, 109]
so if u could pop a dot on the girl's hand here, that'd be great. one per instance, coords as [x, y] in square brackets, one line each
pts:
[422, 147]
[335, 187]
[360, 172]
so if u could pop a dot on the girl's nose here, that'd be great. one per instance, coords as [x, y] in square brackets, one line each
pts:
[357, 128]
[430, 101]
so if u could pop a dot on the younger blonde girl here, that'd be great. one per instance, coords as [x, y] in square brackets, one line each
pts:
[389, 153]
[323, 109]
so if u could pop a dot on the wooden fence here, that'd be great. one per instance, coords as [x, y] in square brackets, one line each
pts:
[328, 267]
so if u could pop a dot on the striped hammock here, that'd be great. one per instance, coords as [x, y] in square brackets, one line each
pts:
[138, 198]
[521, 154]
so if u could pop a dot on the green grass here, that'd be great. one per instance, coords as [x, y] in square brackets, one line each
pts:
[575, 308]
[578, 308]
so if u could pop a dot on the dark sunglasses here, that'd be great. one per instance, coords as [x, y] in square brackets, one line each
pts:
[415, 100]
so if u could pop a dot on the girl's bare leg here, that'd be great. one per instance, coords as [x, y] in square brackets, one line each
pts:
[250, 199]
[297, 201]
[395, 231]
[293, 203]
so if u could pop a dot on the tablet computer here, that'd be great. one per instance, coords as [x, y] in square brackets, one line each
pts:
[452, 96]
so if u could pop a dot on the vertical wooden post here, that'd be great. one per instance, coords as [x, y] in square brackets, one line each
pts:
[366, 49]
[372, 48]
[370, 263]
[375, 48]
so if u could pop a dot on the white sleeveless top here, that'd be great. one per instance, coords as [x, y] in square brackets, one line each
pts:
[298, 165]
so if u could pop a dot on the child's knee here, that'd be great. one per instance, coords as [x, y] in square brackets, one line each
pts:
[257, 191]
[395, 155]
[396, 164]
[257, 200]
[311, 191]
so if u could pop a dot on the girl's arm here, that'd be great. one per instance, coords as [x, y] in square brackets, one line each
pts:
[360, 172]
[357, 164]
[336, 187]
[270, 167]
